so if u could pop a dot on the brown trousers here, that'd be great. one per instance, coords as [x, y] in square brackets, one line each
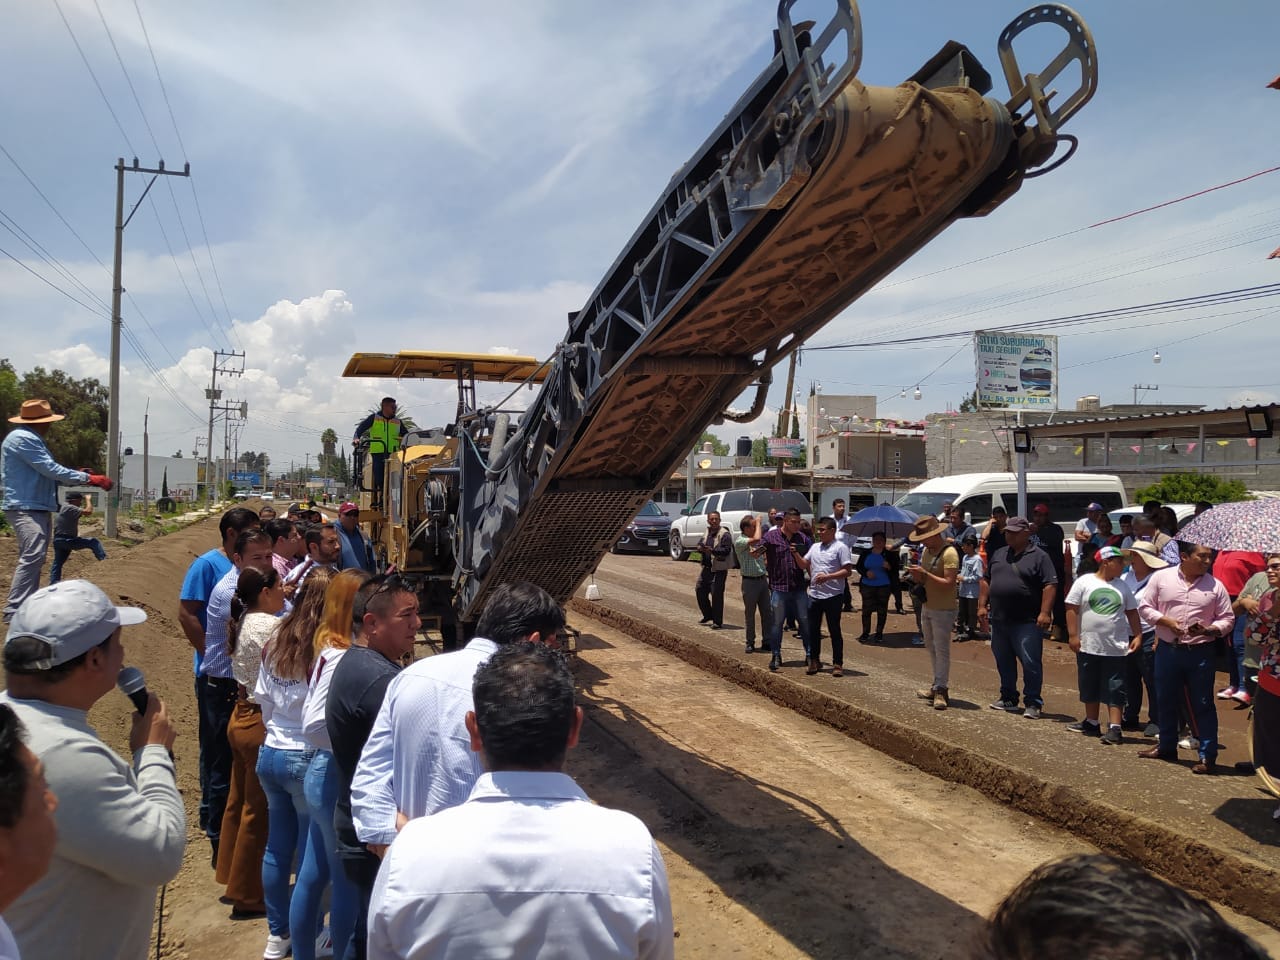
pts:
[244, 824]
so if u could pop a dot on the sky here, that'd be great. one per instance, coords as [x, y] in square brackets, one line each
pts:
[400, 175]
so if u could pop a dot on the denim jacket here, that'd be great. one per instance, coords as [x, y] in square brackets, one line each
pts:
[31, 475]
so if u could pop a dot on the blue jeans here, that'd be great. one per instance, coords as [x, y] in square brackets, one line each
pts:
[321, 789]
[786, 604]
[1235, 656]
[282, 773]
[1013, 643]
[62, 547]
[1190, 666]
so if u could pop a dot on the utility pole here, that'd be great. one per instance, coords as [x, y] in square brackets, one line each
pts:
[146, 462]
[117, 289]
[240, 410]
[230, 363]
[1142, 386]
[784, 427]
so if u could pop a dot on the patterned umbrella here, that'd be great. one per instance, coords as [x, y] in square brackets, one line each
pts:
[1245, 525]
[883, 518]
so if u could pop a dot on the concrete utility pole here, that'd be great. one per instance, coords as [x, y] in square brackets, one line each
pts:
[117, 290]
[146, 464]
[784, 428]
[231, 363]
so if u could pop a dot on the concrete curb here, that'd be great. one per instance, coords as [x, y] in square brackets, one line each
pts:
[1241, 883]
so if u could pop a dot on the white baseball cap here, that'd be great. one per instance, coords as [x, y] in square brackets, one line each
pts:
[72, 617]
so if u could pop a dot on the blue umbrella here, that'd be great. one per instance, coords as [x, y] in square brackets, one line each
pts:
[884, 518]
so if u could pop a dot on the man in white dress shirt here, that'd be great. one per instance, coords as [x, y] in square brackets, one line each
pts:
[418, 759]
[528, 866]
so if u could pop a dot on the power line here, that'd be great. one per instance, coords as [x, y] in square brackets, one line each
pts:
[102, 93]
[43, 279]
[39, 250]
[1097, 316]
[230, 325]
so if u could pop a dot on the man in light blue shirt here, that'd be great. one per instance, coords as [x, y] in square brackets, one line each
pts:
[527, 866]
[31, 478]
[418, 758]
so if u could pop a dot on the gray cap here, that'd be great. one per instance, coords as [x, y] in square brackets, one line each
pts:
[72, 617]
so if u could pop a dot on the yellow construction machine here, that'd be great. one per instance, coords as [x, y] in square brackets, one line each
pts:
[811, 189]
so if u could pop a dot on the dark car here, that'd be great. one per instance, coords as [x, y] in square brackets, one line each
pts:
[647, 533]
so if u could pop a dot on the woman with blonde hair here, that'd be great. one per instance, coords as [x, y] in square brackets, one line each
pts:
[292, 922]
[255, 608]
[332, 640]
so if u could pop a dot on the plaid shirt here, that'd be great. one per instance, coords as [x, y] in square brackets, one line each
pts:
[784, 573]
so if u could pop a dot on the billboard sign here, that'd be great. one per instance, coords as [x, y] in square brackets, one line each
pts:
[784, 448]
[243, 476]
[1016, 371]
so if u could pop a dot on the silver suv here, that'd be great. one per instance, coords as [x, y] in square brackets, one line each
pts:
[732, 505]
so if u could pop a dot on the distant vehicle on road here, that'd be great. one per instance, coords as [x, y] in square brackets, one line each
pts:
[649, 532]
[732, 505]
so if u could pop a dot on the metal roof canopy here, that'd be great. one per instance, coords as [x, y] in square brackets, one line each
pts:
[431, 365]
[1226, 423]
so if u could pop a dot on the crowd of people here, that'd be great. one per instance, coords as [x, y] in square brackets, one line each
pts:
[1144, 613]
[368, 805]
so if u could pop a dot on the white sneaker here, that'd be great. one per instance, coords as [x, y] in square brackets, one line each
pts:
[324, 945]
[277, 948]
[1189, 743]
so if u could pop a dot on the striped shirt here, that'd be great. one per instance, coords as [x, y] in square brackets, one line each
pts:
[418, 758]
[217, 658]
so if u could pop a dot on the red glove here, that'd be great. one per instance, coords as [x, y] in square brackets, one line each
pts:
[98, 480]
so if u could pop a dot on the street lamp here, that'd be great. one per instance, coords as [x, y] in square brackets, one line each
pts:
[917, 394]
[1155, 357]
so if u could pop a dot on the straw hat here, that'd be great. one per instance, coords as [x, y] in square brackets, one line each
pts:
[36, 411]
[1150, 555]
[926, 527]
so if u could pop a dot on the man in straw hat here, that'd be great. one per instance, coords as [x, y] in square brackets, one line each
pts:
[31, 478]
[1140, 666]
[936, 573]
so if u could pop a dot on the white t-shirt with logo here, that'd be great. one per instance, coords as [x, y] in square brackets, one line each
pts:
[1104, 626]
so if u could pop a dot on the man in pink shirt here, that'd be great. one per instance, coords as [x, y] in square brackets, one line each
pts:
[1189, 610]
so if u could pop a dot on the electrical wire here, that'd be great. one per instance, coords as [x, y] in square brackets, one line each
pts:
[195, 195]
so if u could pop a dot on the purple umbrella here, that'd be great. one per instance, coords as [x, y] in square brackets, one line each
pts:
[1244, 525]
[884, 518]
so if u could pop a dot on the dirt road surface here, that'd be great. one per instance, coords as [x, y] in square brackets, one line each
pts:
[783, 838]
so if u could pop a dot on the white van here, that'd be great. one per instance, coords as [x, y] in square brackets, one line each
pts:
[1067, 495]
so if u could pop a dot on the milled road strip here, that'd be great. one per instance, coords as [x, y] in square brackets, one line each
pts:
[807, 843]
[1221, 875]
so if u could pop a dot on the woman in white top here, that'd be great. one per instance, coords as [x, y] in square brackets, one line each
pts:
[332, 640]
[259, 597]
[282, 767]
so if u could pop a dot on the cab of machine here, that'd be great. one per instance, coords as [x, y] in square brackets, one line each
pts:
[1066, 494]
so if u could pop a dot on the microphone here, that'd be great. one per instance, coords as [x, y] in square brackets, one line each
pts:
[134, 685]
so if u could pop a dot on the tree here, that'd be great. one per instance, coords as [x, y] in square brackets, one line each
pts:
[164, 484]
[970, 403]
[1193, 487]
[718, 446]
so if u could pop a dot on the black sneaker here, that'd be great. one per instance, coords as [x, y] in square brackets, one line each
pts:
[1151, 730]
[1112, 736]
[1085, 727]
[775, 663]
[1008, 706]
[750, 648]
[865, 638]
